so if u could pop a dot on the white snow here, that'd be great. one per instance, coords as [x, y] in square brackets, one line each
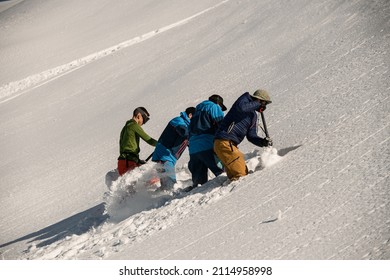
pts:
[73, 71]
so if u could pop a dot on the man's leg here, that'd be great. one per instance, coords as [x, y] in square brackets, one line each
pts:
[125, 166]
[208, 159]
[198, 169]
[232, 159]
[168, 176]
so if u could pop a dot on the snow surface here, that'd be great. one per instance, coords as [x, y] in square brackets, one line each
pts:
[73, 71]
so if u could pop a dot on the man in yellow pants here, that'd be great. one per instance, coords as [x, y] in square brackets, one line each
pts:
[240, 122]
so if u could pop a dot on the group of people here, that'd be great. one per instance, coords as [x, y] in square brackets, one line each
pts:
[212, 138]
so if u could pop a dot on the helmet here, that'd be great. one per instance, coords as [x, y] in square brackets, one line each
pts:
[144, 113]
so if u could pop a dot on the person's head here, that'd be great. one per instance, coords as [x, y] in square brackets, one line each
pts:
[141, 115]
[262, 96]
[217, 99]
[190, 111]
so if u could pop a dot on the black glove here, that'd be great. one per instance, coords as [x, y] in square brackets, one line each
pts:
[267, 142]
[262, 107]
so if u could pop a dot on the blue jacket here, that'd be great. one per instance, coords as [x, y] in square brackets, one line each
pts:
[204, 124]
[173, 140]
[241, 121]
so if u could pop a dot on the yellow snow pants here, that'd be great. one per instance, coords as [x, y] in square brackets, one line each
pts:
[231, 158]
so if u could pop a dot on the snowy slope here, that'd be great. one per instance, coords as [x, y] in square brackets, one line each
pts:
[73, 72]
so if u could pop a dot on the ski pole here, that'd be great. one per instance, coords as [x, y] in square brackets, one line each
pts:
[148, 157]
[265, 126]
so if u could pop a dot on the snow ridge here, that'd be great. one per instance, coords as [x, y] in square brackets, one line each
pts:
[17, 88]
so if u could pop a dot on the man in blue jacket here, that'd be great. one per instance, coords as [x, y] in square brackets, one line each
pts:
[240, 122]
[203, 126]
[171, 145]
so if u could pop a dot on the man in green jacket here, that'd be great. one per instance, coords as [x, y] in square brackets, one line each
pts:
[129, 141]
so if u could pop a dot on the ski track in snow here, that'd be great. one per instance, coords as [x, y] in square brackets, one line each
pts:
[17, 88]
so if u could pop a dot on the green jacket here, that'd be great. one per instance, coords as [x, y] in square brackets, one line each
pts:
[129, 141]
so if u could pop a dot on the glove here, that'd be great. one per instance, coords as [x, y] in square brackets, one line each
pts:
[267, 141]
[262, 108]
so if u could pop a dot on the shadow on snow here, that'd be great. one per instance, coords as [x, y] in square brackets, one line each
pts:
[76, 224]
[285, 151]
